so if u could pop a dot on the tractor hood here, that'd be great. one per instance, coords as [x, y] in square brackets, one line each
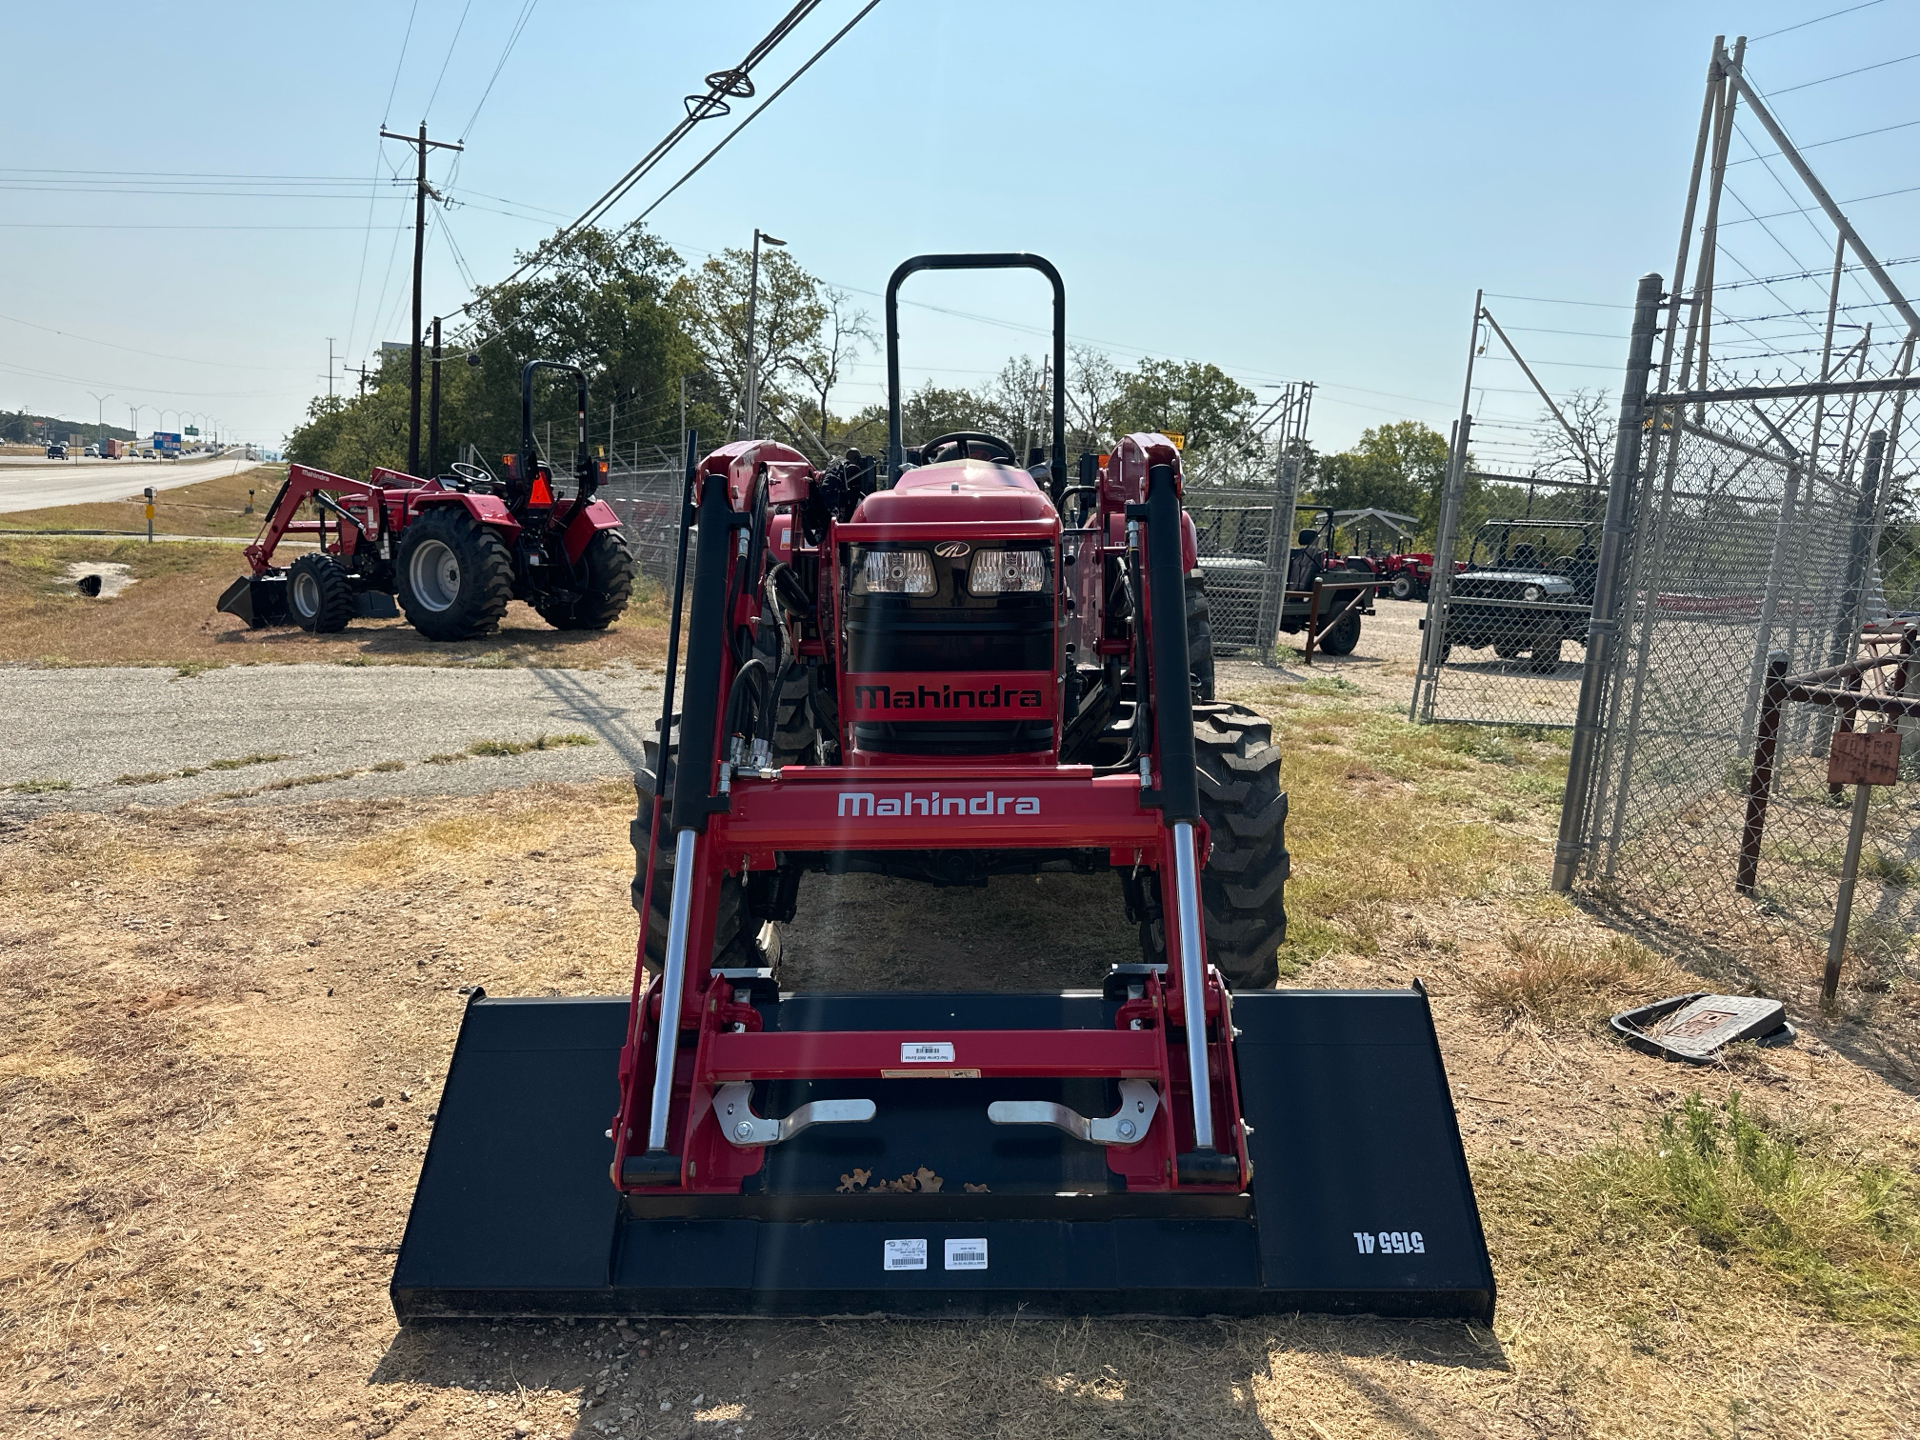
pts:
[958, 491]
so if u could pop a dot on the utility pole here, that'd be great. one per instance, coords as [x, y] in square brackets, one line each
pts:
[361, 371]
[330, 340]
[752, 410]
[420, 191]
[433, 409]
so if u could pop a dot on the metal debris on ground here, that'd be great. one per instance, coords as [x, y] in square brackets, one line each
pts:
[1697, 1026]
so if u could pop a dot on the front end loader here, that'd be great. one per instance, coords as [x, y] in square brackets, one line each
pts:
[946, 667]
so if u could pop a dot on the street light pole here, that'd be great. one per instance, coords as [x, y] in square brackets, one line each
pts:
[100, 417]
[752, 408]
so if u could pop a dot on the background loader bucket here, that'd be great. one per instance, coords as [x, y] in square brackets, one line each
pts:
[1360, 1200]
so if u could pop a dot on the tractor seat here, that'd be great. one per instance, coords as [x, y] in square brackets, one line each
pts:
[957, 490]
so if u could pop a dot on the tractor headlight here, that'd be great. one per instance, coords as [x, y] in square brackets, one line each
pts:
[898, 572]
[1007, 572]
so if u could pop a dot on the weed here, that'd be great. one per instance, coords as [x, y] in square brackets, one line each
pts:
[1891, 869]
[39, 787]
[149, 777]
[521, 747]
[387, 767]
[1845, 1232]
[443, 759]
[187, 669]
[1555, 979]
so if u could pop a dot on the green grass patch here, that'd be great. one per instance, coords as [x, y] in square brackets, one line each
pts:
[39, 787]
[1843, 1232]
[521, 747]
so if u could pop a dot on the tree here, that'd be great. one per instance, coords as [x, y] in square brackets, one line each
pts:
[789, 313]
[1592, 417]
[843, 333]
[1401, 467]
[605, 302]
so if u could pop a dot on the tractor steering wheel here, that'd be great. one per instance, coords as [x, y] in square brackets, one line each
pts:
[472, 474]
[965, 440]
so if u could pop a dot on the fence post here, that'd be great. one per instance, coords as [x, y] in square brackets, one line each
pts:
[1760, 778]
[1607, 594]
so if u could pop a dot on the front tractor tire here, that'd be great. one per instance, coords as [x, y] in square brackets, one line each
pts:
[455, 575]
[606, 570]
[739, 940]
[319, 595]
[1243, 884]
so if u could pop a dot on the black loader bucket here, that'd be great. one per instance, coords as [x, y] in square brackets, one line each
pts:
[1360, 1200]
[260, 600]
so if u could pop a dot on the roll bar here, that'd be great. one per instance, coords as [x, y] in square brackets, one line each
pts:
[586, 473]
[1008, 260]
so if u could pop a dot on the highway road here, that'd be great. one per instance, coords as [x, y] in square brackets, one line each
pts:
[30, 484]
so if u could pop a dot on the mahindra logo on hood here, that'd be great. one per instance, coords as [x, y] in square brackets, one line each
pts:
[857, 803]
[951, 549]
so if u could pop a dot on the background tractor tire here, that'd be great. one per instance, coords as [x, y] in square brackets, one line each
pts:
[796, 734]
[455, 575]
[319, 595]
[606, 567]
[739, 941]
[1340, 637]
[1243, 885]
[1199, 637]
[1402, 587]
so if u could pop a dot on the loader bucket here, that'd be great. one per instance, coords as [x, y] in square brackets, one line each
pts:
[260, 600]
[1360, 1200]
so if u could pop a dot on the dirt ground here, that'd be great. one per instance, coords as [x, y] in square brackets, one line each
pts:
[223, 1031]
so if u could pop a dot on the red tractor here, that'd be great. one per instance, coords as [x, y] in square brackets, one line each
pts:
[454, 549]
[950, 669]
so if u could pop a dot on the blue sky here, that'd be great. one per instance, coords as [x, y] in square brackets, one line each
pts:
[1291, 191]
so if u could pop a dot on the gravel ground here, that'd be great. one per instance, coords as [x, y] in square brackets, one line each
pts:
[86, 728]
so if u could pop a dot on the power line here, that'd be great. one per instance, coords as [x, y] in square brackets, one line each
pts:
[1828, 79]
[1830, 15]
[760, 110]
[513, 39]
[131, 350]
[451, 46]
[722, 85]
[1836, 140]
[394, 87]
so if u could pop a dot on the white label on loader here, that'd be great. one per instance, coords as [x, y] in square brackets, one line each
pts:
[926, 1052]
[966, 1254]
[905, 1255]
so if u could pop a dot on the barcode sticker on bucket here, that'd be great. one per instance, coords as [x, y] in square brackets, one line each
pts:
[926, 1052]
[966, 1254]
[906, 1255]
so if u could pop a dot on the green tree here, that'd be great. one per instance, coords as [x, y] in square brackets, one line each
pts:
[1401, 467]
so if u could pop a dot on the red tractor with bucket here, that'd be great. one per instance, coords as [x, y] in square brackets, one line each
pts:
[454, 549]
[948, 668]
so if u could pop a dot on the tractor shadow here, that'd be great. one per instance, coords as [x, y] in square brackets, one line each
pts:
[1006, 1375]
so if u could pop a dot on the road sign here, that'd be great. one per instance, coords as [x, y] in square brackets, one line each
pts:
[191, 430]
[166, 442]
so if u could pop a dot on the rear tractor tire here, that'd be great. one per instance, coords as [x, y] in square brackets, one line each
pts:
[740, 942]
[455, 575]
[606, 568]
[1243, 885]
[319, 595]
[1402, 587]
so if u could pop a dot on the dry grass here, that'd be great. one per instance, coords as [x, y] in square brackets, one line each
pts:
[1553, 979]
[199, 1204]
[167, 617]
[209, 507]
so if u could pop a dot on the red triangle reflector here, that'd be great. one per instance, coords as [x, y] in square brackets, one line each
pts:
[542, 493]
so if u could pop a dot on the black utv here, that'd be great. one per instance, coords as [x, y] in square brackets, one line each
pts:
[1527, 589]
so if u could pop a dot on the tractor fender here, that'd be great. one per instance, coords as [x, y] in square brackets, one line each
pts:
[487, 509]
[596, 515]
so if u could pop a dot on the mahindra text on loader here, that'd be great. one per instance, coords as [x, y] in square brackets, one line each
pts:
[948, 668]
